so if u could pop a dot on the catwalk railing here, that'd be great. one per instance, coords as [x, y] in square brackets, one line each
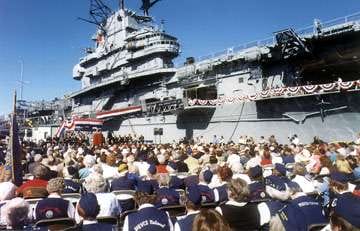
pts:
[283, 92]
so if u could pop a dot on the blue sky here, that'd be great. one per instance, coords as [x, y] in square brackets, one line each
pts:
[47, 36]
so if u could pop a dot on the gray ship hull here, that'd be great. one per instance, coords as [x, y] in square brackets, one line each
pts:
[337, 118]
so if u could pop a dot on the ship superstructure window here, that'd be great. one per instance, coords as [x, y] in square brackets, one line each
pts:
[241, 80]
[207, 92]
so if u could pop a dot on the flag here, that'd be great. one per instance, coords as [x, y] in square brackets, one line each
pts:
[14, 158]
[15, 152]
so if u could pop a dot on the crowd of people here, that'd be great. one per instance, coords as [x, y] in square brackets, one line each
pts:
[251, 184]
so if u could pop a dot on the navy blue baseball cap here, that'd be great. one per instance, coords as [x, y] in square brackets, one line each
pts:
[280, 168]
[193, 194]
[152, 169]
[255, 171]
[89, 204]
[348, 207]
[275, 182]
[207, 176]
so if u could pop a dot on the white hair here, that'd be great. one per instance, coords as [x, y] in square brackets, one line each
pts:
[89, 161]
[7, 191]
[16, 212]
[95, 183]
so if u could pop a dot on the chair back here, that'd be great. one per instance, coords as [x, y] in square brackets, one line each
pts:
[57, 224]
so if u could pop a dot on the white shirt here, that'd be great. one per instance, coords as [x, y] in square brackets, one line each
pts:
[215, 181]
[109, 206]
[253, 162]
[126, 221]
[142, 166]
[242, 176]
[109, 172]
[306, 185]
[232, 159]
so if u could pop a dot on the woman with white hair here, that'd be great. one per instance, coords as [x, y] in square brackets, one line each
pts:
[15, 214]
[109, 205]
[89, 161]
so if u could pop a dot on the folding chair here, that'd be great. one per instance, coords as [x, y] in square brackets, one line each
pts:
[123, 215]
[72, 197]
[174, 210]
[209, 205]
[129, 192]
[108, 220]
[57, 224]
[317, 227]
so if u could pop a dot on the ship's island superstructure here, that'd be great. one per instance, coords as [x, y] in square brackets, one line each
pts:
[297, 82]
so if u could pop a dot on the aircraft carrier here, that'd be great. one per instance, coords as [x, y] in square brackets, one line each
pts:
[303, 82]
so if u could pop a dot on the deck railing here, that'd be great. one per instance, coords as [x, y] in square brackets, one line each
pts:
[303, 32]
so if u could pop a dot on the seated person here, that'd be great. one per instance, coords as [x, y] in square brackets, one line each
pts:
[209, 219]
[151, 177]
[165, 195]
[220, 192]
[70, 175]
[123, 182]
[54, 206]
[276, 188]
[15, 214]
[257, 185]
[35, 188]
[109, 205]
[175, 182]
[300, 178]
[346, 213]
[147, 217]
[240, 214]
[299, 213]
[207, 194]
[89, 208]
[192, 203]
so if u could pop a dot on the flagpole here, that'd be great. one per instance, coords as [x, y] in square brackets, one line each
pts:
[14, 108]
[13, 118]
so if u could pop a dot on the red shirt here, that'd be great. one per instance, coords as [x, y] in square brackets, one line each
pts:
[265, 161]
[161, 168]
[33, 188]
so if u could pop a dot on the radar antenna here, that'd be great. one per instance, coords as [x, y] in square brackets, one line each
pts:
[146, 5]
[99, 12]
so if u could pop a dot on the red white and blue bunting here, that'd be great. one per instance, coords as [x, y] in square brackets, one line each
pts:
[279, 92]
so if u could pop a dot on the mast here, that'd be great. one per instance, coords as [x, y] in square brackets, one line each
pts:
[122, 5]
